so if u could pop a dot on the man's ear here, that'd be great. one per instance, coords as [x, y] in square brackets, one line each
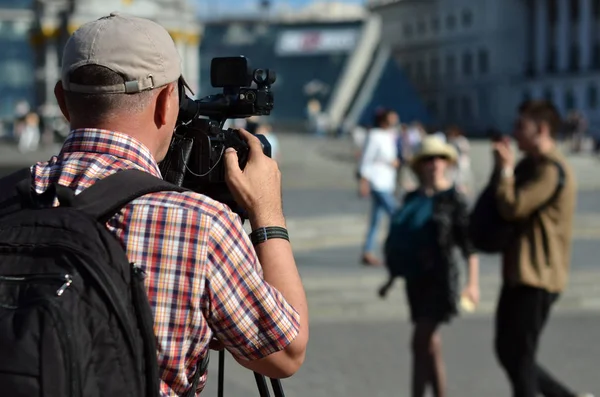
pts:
[164, 103]
[59, 93]
[544, 129]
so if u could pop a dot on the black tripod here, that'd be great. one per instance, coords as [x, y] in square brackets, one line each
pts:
[261, 381]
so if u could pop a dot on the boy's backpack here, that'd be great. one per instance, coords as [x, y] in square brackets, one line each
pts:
[407, 233]
[488, 231]
[74, 315]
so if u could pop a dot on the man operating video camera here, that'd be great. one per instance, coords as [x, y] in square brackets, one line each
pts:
[205, 277]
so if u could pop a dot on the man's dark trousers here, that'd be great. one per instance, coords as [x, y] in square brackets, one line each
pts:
[520, 318]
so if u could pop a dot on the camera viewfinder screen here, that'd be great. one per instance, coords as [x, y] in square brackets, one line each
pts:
[229, 72]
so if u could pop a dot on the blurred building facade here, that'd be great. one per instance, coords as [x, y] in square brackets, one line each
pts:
[328, 52]
[16, 55]
[55, 20]
[473, 62]
[33, 33]
[563, 54]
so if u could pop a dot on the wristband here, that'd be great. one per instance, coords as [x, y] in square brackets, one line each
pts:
[507, 172]
[263, 234]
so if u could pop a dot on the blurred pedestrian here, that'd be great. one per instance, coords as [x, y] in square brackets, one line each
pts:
[21, 110]
[359, 138]
[463, 175]
[424, 232]
[267, 131]
[576, 128]
[29, 137]
[377, 176]
[412, 136]
[538, 197]
[317, 119]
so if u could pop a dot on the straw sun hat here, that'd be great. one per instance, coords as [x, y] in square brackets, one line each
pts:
[433, 146]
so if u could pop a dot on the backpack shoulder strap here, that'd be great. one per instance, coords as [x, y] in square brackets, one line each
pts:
[109, 195]
[14, 189]
[559, 186]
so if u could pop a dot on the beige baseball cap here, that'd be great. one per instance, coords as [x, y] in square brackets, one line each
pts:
[139, 49]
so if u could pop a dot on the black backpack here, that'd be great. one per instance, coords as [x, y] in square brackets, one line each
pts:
[74, 315]
[488, 231]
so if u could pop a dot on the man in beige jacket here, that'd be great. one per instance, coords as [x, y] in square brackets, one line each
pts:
[539, 197]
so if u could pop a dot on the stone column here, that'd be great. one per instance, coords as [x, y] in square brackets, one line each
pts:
[52, 71]
[540, 11]
[585, 38]
[561, 35]
[192, 66]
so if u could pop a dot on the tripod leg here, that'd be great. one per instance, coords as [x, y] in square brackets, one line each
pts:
[221, 373]
[277, 388]
[263, 390]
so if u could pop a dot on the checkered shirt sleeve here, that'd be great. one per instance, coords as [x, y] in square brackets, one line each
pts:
[250, 317]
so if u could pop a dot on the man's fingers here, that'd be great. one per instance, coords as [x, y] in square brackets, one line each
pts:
[215, 344]
[253, 142]
[232, 165]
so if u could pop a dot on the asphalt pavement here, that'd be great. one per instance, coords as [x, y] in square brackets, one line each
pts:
[359, 343]
[373, 359]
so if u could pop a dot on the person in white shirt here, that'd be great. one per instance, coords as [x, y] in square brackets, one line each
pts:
[414, 135]
[29, 138]
[267, 131]
[378, 176]
[463, 175]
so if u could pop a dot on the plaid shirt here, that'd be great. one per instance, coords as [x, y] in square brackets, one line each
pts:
[203, 277]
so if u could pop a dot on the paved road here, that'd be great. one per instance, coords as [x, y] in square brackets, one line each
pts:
[359, 344]
[373, 359]
[327, 223]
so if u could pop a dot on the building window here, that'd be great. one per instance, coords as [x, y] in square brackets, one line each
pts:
[432, 107]
[408, 31]
[435, 24]
[421, 27]
[483, 61]
[570, 102]
[467, 18]
[467, 63]
[551, 61]
[420, 72]
[450, 108]
[592, 96]
[596, 56]
[574, 11]
[529, 69]
[450, 66]
[552, 11]
[574, 57]
[408, 70]
[450, 22]
[19, 71]
[467, 110]
[548, 95]
[434, 68]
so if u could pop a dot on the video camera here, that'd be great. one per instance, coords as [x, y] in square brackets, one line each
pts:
[195, 159]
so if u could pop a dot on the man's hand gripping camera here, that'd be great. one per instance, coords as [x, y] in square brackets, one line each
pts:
[196, 157]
